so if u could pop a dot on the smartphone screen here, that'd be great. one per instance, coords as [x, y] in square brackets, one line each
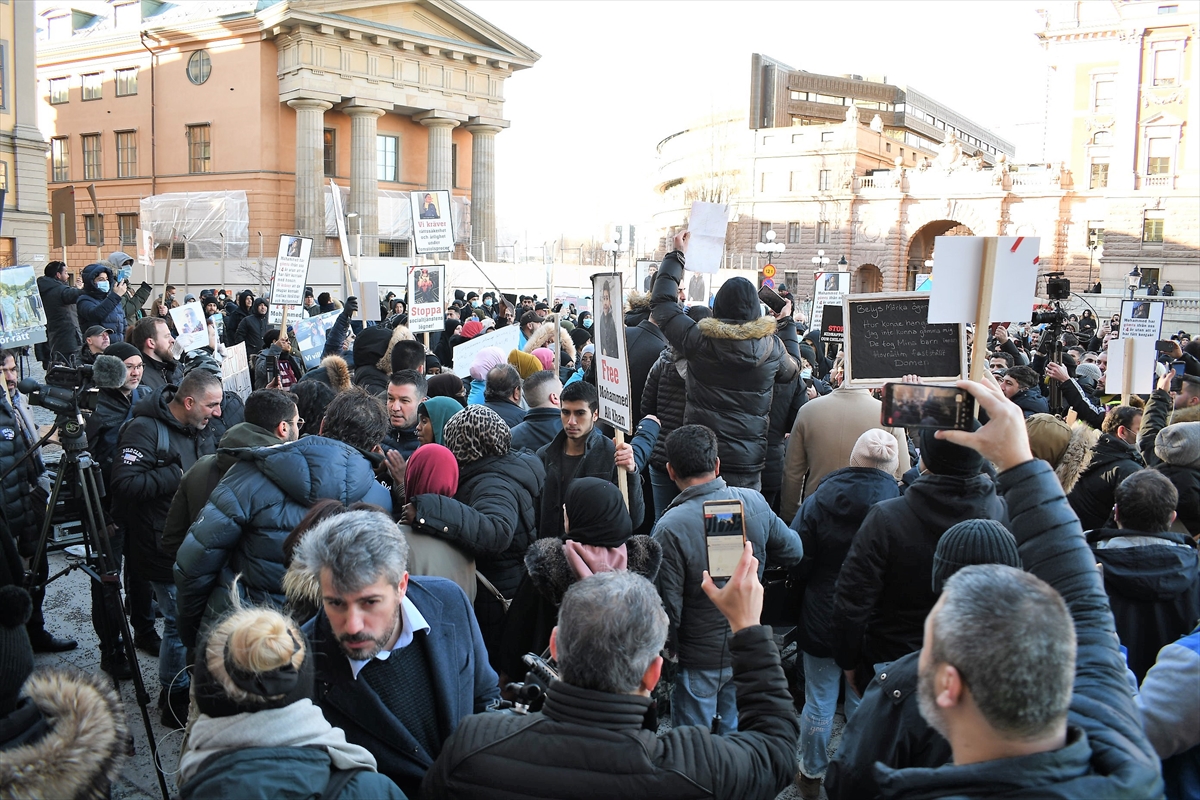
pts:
[725, 532]
[920, 406]
[772, 299]
[272, 368]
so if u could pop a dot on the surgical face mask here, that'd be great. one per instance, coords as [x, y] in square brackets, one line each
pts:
[102, 285]
[806, 374]
[587, 323]
[488, 303]
[474, 304]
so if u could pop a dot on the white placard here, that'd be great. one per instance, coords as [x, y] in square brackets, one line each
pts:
[612, 370]
[275, 313]
[291, 270]
[829, 289]
[22, 317]
[644, 275]
[425, 295]
[506, 338]
[433, 227]
[339, 220]
[1141, 319]
[957, 263]
[145, 251]
[235, 371]
[190, 330]
[707, 225]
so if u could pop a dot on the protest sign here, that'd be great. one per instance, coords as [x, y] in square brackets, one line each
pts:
[832, 330]
[189, 325]
[1141, 319]
[22, 317]
[433, 227]
[506, 338]
[311, 333]
[696, 288]
[887, 337]
[368, 298]
[829, 290]
[145, 252]
[958, 267]
[235, 371]
[706, 244]
[425, 310]
[644, 272]
[291, 270]
[612, 372]
[275, 314]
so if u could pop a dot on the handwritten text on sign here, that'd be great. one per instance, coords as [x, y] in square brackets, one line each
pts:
[889, 338]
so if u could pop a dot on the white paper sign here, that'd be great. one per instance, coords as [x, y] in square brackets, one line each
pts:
[425, 310]
[829, 290]
[644, 274]
[506, 338]
[235, 371]
[145, 251]
[957, 263]
[291, 270]
[275, 313]
[612, 369]
[706, 244]
[433, 228]
[191, 332]
[1141, 319]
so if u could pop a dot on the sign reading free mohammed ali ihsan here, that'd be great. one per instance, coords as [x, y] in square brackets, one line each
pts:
[612, 370]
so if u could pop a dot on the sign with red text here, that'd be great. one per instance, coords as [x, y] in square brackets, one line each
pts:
[612, 370]
[433, 228]
[291, 270]
[425, 287]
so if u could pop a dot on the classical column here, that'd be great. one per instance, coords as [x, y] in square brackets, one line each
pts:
[438, 173]
[483, 186]
[364, 176]
[310, 169]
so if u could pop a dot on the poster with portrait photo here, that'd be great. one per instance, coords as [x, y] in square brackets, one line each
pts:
[829, 288]
[645, 272]
[612, 368]
[695, 288]
[1141, 321]
[433, 223]
[291, 270]
[425, 293]
[191, 331]
[22, 317]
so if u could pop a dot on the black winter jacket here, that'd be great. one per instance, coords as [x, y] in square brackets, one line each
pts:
[1110, 462]
[512, 414]
[596, 462]
[160, 373]
[62, 317]
[142, 488]
[644, 342]
[885, 588]
[251, 330]
[665, 397]
[101, 308]
[827, 522]
[785, 403]
[538, 428]
[601, 745]
[733, 367]
[1187, 482]
[233, 318]
[373, 379]
[113, 409]
[15, 501]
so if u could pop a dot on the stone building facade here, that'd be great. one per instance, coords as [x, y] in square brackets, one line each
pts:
[23, 235]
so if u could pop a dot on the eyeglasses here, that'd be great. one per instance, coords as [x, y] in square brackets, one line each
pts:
[299, 423]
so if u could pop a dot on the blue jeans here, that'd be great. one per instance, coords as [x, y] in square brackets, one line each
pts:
[172, 655]
[701, 693]
[822, 678]
[664, 489]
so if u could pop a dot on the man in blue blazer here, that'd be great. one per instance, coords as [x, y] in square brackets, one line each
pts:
[399, 661]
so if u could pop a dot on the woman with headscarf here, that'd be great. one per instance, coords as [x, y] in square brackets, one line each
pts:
[447, 384]
[432, 416]
[492, 515]
[485, 361]
[596, 539]
[259, 733]
[432, 469]
[445, 349]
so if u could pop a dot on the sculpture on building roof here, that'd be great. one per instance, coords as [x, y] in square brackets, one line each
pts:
[950, 154]
[877, 124]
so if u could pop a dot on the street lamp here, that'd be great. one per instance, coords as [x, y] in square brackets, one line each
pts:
[612, 246]
[820, 260]
[842, 264]
[1092, 247]
[768, 247]
[1134, 278]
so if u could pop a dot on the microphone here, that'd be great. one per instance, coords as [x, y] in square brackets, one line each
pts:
[108, 372]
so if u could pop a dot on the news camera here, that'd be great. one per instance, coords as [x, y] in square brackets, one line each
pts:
[64, 392]
[531, 694]
[1057, 287]
[1055, 317]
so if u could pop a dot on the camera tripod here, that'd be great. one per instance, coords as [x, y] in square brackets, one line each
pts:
[100, 562]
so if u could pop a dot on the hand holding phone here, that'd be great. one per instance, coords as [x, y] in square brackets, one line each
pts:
[927, 406]
[272, 369]
[772, 299]
[725, 535]
[740, 600]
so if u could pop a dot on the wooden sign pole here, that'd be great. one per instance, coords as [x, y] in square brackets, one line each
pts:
[622, 475]
[1127, 375]
[983, 307]
[167, 276]
[283, 324]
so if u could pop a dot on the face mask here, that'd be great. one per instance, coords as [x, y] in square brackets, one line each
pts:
[487, 303]
[806, 374]
[474, 304]
[587, 323]
[102, 285]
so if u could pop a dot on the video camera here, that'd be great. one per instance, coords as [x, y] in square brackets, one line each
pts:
[1056, 317]
[1057, 287]
[63, 392]
[531, 694]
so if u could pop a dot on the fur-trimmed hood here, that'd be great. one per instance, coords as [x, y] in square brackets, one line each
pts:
[759, 328]
[1070, 466]
[1189, 414]
[399, 333]
[337, 372]
[83, 749]
[551, 575]
[544, 337]
[638, 301]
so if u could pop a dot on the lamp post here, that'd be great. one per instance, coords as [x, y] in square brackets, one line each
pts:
[1091, 253]
[768, 247]
[612, 246]
[1133, 279]
[820, 262]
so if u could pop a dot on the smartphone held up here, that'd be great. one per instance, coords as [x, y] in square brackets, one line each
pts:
[914, 405]
[725, 536]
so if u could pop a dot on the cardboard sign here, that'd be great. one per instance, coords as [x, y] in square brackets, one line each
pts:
[311, 333]
[707, 225]
[291, 270]
[1141, 319]
[235, 371]
[612, 369]
[22, 317]
[425, 293]
[433, 227]
[832, 330]
[145, 251]
[644, 273]
[506, 338]
[829, 290]
[191, 331]
[887, 337]
[958, 264]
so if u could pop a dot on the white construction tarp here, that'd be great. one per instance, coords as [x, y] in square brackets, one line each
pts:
[200, 219]
[395, 215]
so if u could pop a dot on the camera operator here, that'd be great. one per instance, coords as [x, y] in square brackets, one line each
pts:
[18, 434]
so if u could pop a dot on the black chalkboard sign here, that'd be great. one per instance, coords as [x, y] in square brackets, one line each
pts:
[887, 337]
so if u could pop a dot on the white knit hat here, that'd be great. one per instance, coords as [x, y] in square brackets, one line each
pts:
[877, 449]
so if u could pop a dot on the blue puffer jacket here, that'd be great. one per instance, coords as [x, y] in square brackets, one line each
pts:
[101, 308]
[242, 528]
[287, 773]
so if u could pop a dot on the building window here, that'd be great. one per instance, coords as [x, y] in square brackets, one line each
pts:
[127, 225]
[826, 136]
[387, 153]
[59, 28]
[60, 158]
[1166, 67]
[3, 176]
[389, 249]
[1168, 9]
[126, 154]
[1099, 179]
[91, 229]
[1102, 94]
[823, 179]
[453, 166]
[794, 181]
[199, 67]
[199, 148]
[1158, 157]
[60, 91]
[1095, 233]
[1152, 227]
[91, 157]
[92, 86]
[3, 75]
[763, 227]
[126, 82]
[1102, 137]
[793, 233]
[822, 233]
[887, 147]
[330, 153]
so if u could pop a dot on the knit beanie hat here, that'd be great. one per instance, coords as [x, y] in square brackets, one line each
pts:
[525, 363]
[122, 350]
[737, 300]
[1048, 437]
[973, 541]
[878, 449]
[16, 653]
[699, 312]
[1088, 375]
[371, 344]
[944, 458]
[1179, 444]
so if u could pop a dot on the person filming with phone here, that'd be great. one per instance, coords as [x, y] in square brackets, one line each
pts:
[702, 531]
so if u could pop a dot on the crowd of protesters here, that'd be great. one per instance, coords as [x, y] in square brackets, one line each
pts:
[380, 579]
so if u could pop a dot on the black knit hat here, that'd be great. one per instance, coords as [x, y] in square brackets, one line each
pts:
[944, 458]
[973, 541]
[16, 653]
[737, 300]
[122, 350]
[371, 344]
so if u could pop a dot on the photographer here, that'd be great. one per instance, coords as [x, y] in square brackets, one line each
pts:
[100, 303]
